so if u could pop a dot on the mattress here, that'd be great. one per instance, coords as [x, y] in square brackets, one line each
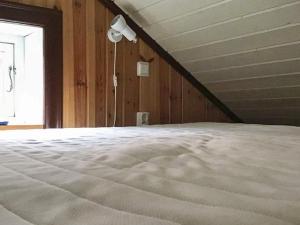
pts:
[191, 174]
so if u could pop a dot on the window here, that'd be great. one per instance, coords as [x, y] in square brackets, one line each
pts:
[21, 74]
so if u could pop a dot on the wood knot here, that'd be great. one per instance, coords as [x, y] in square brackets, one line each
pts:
[77, 3]
[146, 60]
[81, 83]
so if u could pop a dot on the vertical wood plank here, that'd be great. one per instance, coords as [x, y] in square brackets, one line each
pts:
[100, 76]
[121, 77]
[210, 112]
[164, 82]
[176, 97]
[222, 117]
[149, 86]
[79, 7]
[194, 104]
[68, 68]
[91, 62]
[131, 85]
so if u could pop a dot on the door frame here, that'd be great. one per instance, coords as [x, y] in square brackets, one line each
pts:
[51, 22]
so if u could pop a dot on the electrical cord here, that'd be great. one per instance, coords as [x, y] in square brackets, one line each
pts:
[115, 83]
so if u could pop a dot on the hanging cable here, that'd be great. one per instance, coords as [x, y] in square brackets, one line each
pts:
[119, 28]
[115, 83]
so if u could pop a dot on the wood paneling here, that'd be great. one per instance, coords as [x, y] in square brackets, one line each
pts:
[176, 97]
[165, 103]
[149, 86]
[100, 76]
[213, 114]
[88, 69]
[91, 62]
[132, 83]
[80, 68]
[191, 98]
[68, 49]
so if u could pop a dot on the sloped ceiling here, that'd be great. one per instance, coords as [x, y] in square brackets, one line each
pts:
[246, 52]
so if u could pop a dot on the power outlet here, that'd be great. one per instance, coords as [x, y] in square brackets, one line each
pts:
[142, 118]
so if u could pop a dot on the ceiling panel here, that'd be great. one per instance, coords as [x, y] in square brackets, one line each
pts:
[243, 51]
[272, 103]
[217, 14]
[292, 113]
[281, 17]
[168, 9]
[234, 46]
[135, 5]
[286, 80]
[274, 53]
[274, 68]
[260, 94]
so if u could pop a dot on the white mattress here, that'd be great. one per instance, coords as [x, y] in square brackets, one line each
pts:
[193, 174]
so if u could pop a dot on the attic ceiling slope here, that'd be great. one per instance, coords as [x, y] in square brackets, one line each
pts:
[170, 59]
[242, 51]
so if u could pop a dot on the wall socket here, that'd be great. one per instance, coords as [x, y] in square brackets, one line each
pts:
[142, 118]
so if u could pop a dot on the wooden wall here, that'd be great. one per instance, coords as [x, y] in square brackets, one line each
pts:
[88, 65]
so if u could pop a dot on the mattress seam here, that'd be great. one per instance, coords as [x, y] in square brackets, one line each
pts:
[17, 215]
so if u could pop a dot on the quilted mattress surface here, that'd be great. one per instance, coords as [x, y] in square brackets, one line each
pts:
[191, 174]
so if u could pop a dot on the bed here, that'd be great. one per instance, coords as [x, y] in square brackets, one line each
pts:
[190, 174]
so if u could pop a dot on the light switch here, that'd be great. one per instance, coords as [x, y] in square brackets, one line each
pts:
[143, 69]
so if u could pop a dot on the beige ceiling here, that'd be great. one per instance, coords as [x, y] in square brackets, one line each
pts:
[247, 52]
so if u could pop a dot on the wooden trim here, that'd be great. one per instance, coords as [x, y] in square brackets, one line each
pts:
[171, 60]
[21, 127]
[51, 21]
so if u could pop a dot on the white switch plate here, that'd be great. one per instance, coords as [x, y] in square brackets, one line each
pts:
[142, 118]
[143, 69]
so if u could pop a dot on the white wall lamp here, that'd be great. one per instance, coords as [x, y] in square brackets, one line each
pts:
[119, 28]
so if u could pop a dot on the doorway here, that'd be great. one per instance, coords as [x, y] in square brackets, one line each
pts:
[21, 75]
[31, 88]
